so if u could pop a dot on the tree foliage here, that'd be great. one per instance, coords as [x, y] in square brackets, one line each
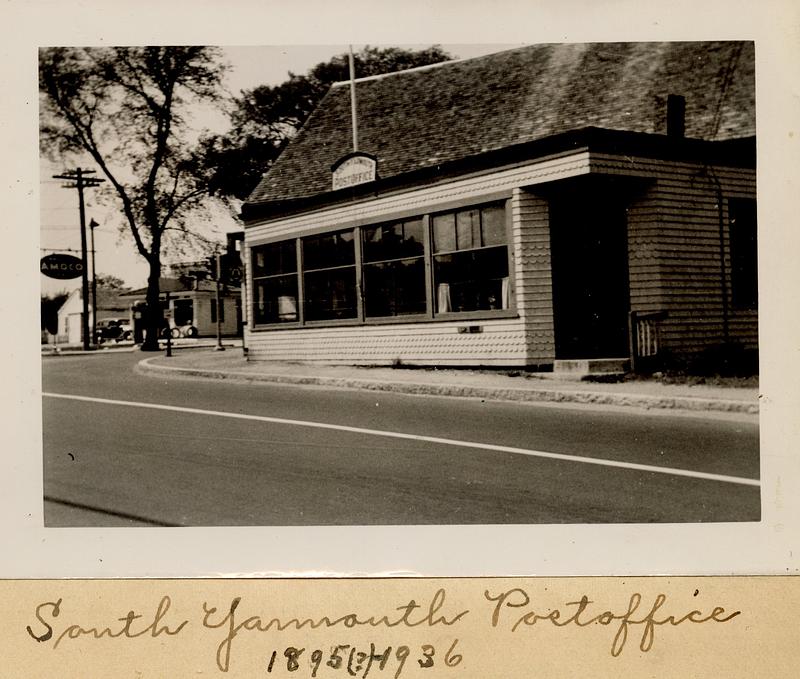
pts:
[265, 118]
[50, 304]
[111, 283]
[128, 108]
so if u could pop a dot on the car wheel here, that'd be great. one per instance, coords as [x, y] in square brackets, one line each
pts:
[175, 332]
[190, 331]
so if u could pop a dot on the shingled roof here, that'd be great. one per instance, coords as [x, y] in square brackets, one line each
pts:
[432, 115]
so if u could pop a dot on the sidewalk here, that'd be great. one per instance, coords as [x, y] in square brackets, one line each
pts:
[481, 384]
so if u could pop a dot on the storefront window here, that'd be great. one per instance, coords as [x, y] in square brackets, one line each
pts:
[467, 254]
[470, 262]
[394, 269]
[275, 283]
[329, 277]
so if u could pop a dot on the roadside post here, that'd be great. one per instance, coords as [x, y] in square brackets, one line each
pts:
[218, 276]
[168, 316]
[92, 226]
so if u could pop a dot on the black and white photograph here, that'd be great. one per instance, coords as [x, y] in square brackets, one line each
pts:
[395, 284]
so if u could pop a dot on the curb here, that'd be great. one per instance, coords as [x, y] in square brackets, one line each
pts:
[146, 366]
[132, 348]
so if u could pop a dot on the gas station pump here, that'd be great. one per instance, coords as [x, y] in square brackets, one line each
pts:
[137, 317]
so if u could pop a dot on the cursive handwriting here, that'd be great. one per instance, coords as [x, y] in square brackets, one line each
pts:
[510, 610]
[127, 629]
[519, 598]
[409, 615]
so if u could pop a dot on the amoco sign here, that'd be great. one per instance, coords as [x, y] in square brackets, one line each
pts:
[61, 266]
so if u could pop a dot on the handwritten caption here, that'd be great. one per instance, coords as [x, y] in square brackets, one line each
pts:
[510, 610]
[359, 663]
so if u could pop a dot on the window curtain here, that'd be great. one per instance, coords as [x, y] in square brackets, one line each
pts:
[505, 294]
[287, 308]
[443, 297]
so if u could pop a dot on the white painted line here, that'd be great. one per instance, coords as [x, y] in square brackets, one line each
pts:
[418, 437]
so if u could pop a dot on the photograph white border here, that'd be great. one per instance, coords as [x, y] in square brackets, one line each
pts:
[768, 547]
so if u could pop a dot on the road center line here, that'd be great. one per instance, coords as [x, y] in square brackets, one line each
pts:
[601, 462]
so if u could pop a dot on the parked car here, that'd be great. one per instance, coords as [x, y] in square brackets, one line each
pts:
[113, 330]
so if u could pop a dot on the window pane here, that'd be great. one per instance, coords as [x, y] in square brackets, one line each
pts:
[444, 233]
[413, 239]
[395, 288]
[275, 258]
[471, 281]
[329, 250]
[330, 294]
[393, 241]
[275, 299]
[468, 229]
[494, 225]
[183, 312]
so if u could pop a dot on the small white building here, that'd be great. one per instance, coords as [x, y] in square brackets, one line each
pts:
[109, 305]
[193, 303]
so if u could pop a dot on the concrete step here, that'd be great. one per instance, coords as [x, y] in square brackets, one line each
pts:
[591, 366]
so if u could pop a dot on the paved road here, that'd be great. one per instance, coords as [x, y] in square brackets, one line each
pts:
[195, 452]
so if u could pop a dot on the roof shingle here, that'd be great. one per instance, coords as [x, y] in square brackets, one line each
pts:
[424, 117]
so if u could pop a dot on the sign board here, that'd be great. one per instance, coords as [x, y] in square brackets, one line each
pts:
[354, 168]
[61, 266]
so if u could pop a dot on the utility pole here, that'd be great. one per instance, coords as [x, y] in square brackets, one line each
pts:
[80, 182]
[219, 303]
[92, 225]
[353, 104]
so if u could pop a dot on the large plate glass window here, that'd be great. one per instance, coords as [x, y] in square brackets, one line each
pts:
[329, 276]
[275, 282]
[470, 261]
[394, 269]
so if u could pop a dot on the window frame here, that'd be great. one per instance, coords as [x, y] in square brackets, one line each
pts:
[425, 257]
[252, 280]
[743, 291]
[358, 228]
[302, 271]
[511, 311]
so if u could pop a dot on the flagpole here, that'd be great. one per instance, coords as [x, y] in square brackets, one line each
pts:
[353, 98]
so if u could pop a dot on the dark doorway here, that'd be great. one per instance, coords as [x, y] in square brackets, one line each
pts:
[589, 254]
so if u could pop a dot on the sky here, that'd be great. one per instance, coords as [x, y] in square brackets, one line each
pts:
[114, 250]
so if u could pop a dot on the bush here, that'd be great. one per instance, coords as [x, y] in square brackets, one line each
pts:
[726, 360]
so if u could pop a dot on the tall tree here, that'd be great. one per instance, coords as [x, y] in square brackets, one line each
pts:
[265, 118]
[128, 109]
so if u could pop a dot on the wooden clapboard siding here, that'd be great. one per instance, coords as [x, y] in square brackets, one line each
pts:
[533, 274]
[501, 342]
[675, 254]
